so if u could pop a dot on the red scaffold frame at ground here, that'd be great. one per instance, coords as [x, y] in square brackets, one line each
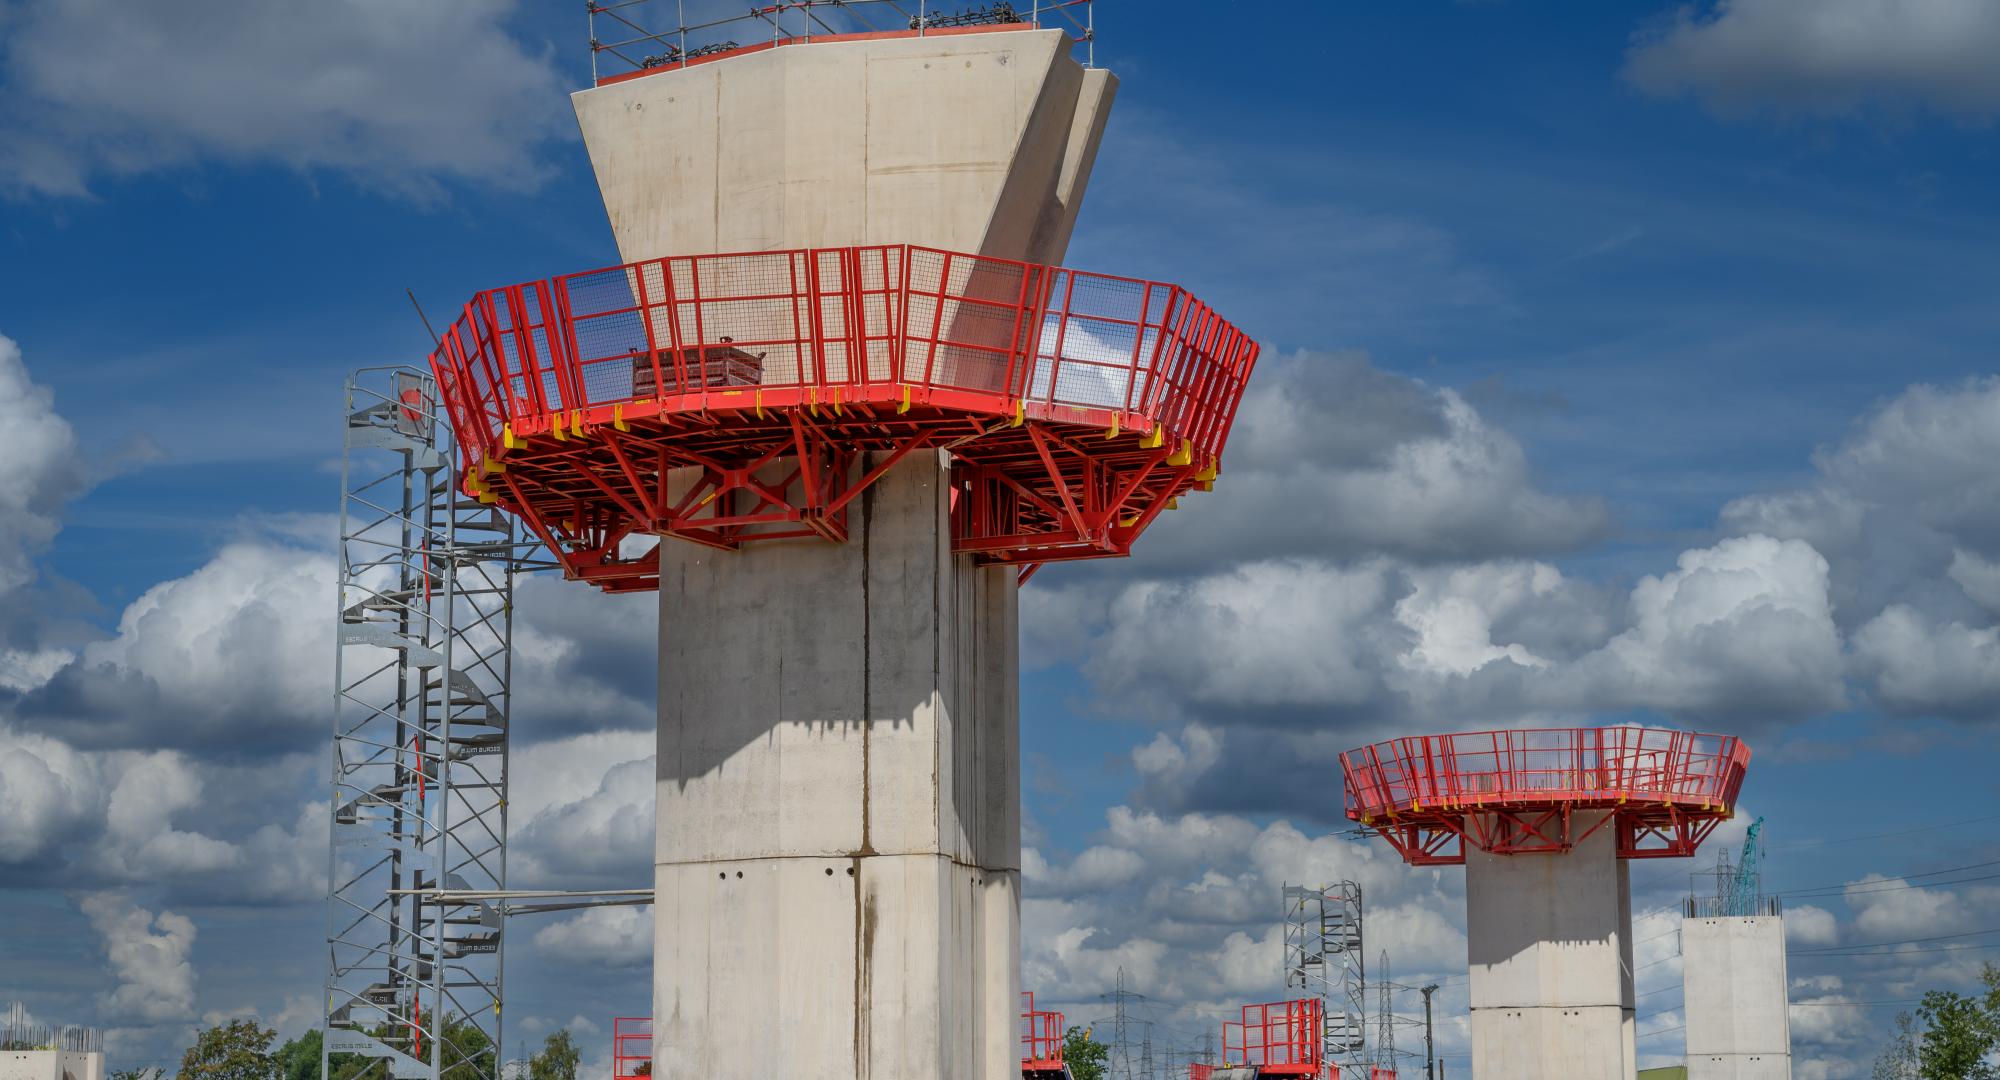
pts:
[731, 399]
[1280, 1040]
[1042, 1036]
[631, 1047]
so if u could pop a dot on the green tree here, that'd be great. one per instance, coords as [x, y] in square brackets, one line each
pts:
[557, 1059]
[468, 1053]
[1958, 1034]
[298, 1059]
[150, 1073]
[238, 1050]
[1087, 1058]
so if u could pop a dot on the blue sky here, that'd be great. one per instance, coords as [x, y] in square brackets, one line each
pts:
[1618, 364]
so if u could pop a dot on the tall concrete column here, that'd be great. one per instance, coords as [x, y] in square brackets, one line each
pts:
[839, 820]
[839, 803]
[1738, 1011]
[1551, 963]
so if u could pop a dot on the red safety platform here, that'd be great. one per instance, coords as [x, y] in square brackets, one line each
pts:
[631, 1047]
[1042, 1035]
[1278, 1040]
[1519, 791]
[729, 399]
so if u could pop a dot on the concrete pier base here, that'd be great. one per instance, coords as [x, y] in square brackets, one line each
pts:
[838, 867]
[1738, 1016]
[1551, 963]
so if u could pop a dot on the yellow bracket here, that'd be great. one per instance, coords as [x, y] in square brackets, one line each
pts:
[1020, 413]
[1184, 455]
[1204, 485]
[1113, 433]
[836, 401]
[556, 428]
[1174, 504]
[509, 440]
[905, 406]
[1210, 472]
[618, 417]
[576, 427]
[490, 467]
[488, 498]
[1154, 439]
[1128, 522]
[757, 404]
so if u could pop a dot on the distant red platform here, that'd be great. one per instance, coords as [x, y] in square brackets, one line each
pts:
[1278, 1040]
[1519, 791]
[726, 399]
[1042, 1042]
[631, 1047]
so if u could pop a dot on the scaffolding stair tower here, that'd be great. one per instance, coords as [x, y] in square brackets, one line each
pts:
[418, 856]
[1323, 958]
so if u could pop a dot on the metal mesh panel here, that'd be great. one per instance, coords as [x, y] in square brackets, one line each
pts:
[1551, 764]
[1004, 331]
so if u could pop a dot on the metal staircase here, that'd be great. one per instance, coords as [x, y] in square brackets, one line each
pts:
[1323, 957]
[422, 693]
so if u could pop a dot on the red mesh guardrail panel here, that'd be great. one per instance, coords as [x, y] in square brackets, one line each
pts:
[631, 1047]
[1280, 1037]
[1041, 1038]
[1077, 406]
[1519, 790]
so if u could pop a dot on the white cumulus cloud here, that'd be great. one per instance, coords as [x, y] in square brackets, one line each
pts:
[41, 469]
[617, 937]
[149, 956]
[1825, 56]
[1332, 456]
[398, 96]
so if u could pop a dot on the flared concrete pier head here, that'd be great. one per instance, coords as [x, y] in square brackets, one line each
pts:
[838, 853]
[1544, 822]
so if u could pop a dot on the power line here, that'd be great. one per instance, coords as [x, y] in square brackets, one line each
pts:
[1903, 941]
[1892, 881]
[1913, 830]
[1885, 835]
[1898, 952]
[1839, 1004]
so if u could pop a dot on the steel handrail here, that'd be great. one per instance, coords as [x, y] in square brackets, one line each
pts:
[519, 354]
[1542, 765]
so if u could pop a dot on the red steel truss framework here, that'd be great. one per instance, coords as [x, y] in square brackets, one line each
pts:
[1544, 790]
[730, 399]
[1041, 1041]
